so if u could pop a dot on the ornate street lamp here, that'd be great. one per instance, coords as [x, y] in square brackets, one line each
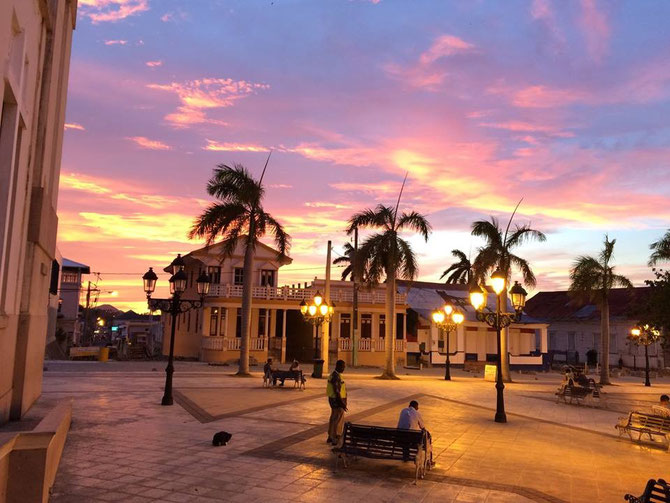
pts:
[447, 318]
[174, 306]
[317, 312]
[645, 335]
[498, 319]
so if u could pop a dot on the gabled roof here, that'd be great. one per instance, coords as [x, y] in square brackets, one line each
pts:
[560, 306]
[71, 264]
[284, 261]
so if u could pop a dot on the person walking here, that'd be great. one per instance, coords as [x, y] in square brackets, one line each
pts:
[336, 391]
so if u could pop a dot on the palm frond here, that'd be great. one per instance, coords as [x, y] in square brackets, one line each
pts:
[489, 230]
[607, 251]
[216, 220]
[416, 222]
[660, 250]
[380, 217]
[406, 266]
[526, 272]
[235, 184]
[281, 238]
[524, 234]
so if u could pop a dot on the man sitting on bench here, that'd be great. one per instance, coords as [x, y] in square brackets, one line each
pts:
[663, 407]
[410, 419]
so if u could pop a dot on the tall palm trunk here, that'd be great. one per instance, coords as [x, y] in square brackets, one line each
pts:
[246, 308]
[389, 368]
[605, 341]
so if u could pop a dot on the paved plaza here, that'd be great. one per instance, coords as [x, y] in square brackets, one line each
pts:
[123, 446]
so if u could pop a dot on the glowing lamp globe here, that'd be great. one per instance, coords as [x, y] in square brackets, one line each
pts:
[498, 281]
[438, 317]
[318, 298]
[476, 297]
[312, 310]
[457, 317]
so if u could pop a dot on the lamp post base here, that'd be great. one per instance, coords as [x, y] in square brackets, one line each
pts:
[501, 417]
[167, 400]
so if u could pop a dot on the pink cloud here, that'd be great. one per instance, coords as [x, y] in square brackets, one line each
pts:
[153, 64]
[424, 74]
[215, 146]
[545, 97]
[100, 11]
[116, 42]
[196, 96]
[73, 125]
[149, 144]
[526, 127]
[596, 29]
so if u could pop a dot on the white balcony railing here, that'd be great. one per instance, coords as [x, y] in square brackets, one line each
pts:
[287, 293]
[366, 344]
[380, 344]
[400, 345]
[345, 344]
[213, 343]
[233, 343]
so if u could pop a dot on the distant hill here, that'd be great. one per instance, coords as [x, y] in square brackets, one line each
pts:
[108, 308]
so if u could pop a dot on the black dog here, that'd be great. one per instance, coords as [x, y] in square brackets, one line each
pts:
[221, 438]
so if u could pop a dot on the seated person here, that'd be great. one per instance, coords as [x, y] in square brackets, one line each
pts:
[663, 407]
[410, 419]
[268, 369]
[295, 367]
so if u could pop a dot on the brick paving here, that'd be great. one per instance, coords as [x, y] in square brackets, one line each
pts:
[123, 446]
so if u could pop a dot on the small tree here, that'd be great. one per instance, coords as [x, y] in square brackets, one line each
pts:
[660, 250]
[592, 278]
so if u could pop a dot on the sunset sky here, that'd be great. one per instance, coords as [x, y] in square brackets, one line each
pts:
[565, 104]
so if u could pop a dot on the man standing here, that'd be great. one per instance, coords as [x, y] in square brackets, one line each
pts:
[337, 398]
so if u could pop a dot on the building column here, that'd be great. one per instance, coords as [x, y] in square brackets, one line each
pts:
[283, 337]
[543, 340]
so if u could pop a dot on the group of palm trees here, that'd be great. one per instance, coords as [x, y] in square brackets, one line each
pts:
[385, 255]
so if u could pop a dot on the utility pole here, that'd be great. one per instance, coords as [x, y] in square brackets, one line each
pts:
[88, 303]
[354, 335]
[325, 326]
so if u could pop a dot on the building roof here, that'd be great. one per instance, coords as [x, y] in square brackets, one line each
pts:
[286, 260]
[71, 264]
[424, 297]
[560, 306]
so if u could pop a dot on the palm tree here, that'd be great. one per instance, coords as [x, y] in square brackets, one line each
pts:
[660, 250]
[348, 259]
[459, 272]
[385, 254]
[592, 278]
[239, 215]
[497, 254]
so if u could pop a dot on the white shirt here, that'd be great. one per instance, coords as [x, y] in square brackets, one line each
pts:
[410, 419]
[660, 410]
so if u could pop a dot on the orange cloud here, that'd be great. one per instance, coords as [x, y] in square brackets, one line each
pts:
[100, 11]
[196, 96]
[149, 144]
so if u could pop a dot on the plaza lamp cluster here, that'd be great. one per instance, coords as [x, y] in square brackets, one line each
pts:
[498, 319]
[447, 318]
[645, 335]
[174, 306]
[317, 312]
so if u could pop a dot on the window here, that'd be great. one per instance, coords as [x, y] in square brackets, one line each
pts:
[382, 325]
[238, 276]
[267, 277]
[222, 331]
[238, 323]
[214, 321]
[553, 340]
[399, 326]
[214, 274]
[596, 341]
[614, 347]
[571, 341]
[345, 325]
[263, 321]
[366, 326]
[55, 271]
[70, 277]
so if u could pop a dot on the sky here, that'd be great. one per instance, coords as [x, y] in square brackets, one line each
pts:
[563, 104]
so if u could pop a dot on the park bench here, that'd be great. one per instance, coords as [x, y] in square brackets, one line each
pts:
[655, 491]
[378, 442]
[295, 375]
[578, 394]
[84, 352]
[645, 424]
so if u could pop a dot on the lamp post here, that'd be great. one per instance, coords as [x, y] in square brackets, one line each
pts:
[317, 312]
[645, 335]
[498, 319]
[174, 306]
[447, 318]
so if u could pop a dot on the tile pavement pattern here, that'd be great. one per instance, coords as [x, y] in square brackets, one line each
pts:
[123, 446]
